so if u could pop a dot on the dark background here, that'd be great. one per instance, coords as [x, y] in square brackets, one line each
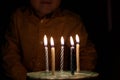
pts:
[97, 17]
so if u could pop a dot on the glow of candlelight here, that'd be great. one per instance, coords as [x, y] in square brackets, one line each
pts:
[45, 40]
[62, 40]
[52, 41]
[71, 41]
[77, 38]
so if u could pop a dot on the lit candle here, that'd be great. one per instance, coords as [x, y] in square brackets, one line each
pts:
[77, 53]
[52, 55]
[62, 54]
[72, 55]
[46, 53]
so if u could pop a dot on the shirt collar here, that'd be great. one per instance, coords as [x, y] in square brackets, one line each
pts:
[53, 14]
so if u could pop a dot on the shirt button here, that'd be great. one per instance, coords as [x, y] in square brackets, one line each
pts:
[41, 21]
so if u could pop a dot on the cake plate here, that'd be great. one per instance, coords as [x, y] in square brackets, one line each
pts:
[61, 75]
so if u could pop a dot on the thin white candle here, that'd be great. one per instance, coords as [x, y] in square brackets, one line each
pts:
[72, 55]
[77, 53]
[46, 53]
[62, 54]
[52, 55]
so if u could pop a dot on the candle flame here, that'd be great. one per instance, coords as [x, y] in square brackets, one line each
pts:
[51, 41]
[45, 40]
[71, 41]
[62, 40]
[77, 38]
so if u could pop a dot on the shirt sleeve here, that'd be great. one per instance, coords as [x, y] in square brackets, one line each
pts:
[12, 57]
[88, 54]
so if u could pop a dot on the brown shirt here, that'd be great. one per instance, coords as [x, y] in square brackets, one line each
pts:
[24, 50]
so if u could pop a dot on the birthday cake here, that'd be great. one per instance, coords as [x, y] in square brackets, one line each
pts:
[53, 74]
[61, 75]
